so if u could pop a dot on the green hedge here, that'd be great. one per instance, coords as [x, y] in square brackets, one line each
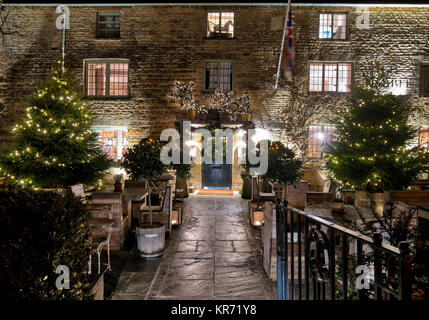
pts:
[40, 230]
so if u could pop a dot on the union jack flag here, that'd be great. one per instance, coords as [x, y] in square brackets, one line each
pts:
[289, 48]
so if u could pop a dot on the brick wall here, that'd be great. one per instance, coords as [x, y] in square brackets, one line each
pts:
[164, 44]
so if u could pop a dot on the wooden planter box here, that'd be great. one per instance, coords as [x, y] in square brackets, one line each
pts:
[105, 204]
[98, 286]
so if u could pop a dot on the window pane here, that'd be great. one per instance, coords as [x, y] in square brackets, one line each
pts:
[227, 23]
[211, 75]
[225, 76]
[328, 137]
[108, 26]
[314, 141]
[96, 79]
[424, 138]
[316, 77]
[108, 141]
[344, 77]
[339, 28]
[118, 79]
[320, 137]
[330, 81]
[325, 26]
[212, 23]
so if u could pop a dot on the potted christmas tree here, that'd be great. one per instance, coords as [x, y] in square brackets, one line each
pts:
[370, 154]
[143, 162]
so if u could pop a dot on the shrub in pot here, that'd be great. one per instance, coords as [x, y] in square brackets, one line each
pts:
[39, 231]
[337, 205]
[118, 182]
[246, 189]
[183, 173]
[143, 162]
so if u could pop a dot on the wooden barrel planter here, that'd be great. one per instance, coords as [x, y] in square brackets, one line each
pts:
[151, 240]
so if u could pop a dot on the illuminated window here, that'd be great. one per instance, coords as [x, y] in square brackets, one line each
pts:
[334, 77]
[218, 74]
[220, 24]
[320, 136]
[333, 26]
[108, 25]
[113, 141]
[106, 78]
[424, 138]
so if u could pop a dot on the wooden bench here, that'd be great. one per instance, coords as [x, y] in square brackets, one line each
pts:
[408, 196]
[318, 198]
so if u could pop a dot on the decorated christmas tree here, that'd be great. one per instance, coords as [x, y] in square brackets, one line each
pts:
[372, 151]
[53, 146]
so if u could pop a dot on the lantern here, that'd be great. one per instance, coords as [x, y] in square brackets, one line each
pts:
[256, 213]
[176, 216]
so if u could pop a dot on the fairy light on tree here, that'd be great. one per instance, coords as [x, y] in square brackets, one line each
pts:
[52, 145]
[370, 152]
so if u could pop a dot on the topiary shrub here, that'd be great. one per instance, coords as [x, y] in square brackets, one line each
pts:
[40, 230]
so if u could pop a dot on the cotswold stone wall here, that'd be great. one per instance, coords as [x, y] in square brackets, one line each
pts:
[167, 43]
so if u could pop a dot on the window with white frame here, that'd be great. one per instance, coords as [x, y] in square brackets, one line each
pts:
[333, 77]
[218, 74]
[113, 140]
[106, 78]
[424, 138]
[320, 136]
[220, 24]
[333, 26]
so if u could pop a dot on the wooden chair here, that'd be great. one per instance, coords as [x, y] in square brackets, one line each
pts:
[179, 203]
[100, 237]
[79, 191]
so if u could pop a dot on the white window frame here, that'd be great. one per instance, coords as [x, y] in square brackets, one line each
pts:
[324, 64]
[119, 130]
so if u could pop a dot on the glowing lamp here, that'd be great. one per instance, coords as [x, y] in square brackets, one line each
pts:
[175, 217]
[256, 215]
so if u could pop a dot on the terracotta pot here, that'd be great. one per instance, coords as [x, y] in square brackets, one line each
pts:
[191, 115]
[246, 117]
[118, 187]
[213, 115]
[337, 206]
[202, 116]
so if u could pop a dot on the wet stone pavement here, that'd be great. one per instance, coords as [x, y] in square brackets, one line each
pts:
[215, 254]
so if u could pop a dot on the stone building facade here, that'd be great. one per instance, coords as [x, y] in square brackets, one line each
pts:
[164, 43]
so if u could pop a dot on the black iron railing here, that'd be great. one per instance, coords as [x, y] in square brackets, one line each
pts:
[318, 264]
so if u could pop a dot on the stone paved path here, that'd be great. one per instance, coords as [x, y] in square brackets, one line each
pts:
[215, 254]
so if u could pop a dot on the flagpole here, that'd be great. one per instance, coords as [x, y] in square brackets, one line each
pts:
[283, 43]
[64, 39]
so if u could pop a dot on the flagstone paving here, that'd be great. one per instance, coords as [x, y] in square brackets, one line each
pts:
[215, 254]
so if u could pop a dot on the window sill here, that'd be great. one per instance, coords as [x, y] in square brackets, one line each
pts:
[107, 39]
[219, 38]
[333, 40]
[329, 92]
[109, 98]
[206, 91]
